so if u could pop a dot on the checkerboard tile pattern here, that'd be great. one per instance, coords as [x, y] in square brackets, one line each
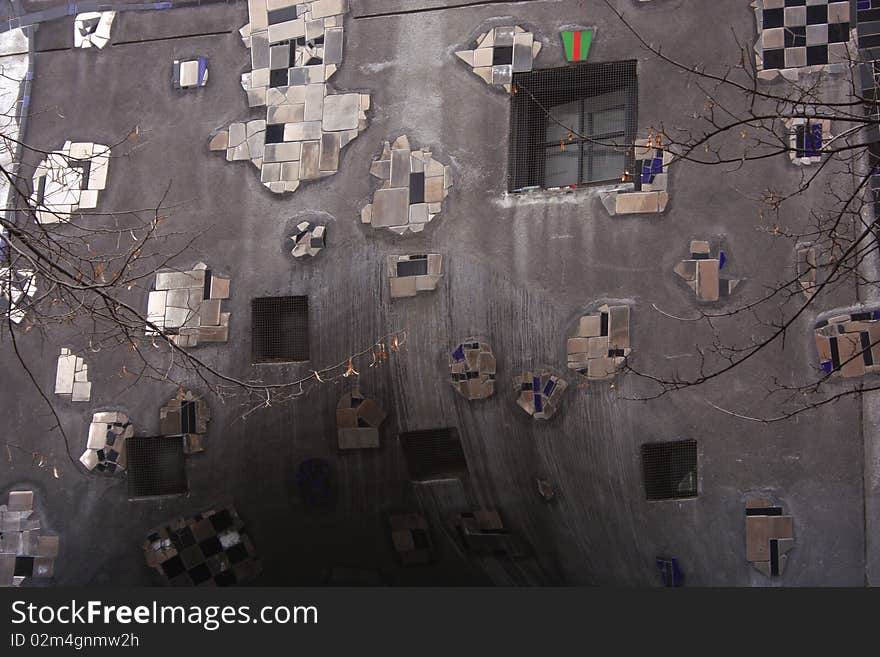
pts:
[801, 33]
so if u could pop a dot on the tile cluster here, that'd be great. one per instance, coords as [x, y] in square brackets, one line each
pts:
[72, 377]
[501, 52]
[208, 549]
[358, 421]
[801, 35]
[414, 186]
[849, 343]
[806, 138]
[185, 306]
[601, 344]
[411, 538]
[68, 180]
[472, 367]
[309, 239]
[92, 29]
[650, 192]
[17, 286]
[482, 533]
[24, 550]
[295, 48]
[105, 448]
[189, 73]
[411, 274]
[807, 264]
[702, 273]
[769, 537]
[186, 415]
[539, 393]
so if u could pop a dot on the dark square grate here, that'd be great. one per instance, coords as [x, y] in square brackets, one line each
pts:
[670, 469]
[155, 466]
[434, 454]
[280, 327]
[573, 125]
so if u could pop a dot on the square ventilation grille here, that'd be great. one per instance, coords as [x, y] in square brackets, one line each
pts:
[280, 329]
[155, 466]
[434, 454]
[670, 469]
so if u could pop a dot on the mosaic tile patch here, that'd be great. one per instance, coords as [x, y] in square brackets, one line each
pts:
[806, 138]
[186, 415]
[702, 273]
[414, 186]
[310, 239]
[796, 35]
[92, 29]
[539, 393]
[16, 287]
[411, 274]
[189, 73]
[577, 44]
[185, 306]
[501, 52]
[650, 193]
[211, 548]
[295, 48]
[670, 573]
[808, 265]
[769, 537]
[411, 538]
[483, 533]
[105, 447]
[358, 421]
[24, 550]
[473, 368]
[849, 343]
[68, 180]
[72, 377]
[601, 343]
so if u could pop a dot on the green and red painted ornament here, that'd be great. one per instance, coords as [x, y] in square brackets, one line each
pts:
[577, 44]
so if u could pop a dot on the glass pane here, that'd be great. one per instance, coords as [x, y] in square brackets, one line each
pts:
[569, 115]
[561, 167]
[609, 121]
[607, 164]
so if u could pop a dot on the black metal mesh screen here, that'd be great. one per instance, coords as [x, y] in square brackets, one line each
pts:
[670, 469]
[434, 454]
[573, 125]
[155, 466]
[280, 329]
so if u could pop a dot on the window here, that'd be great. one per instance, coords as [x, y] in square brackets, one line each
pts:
[670, 469]
[155, 466]
[433, 455]
[280, 328]
[573, 125]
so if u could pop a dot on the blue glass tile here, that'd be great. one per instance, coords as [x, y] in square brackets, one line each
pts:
[539, 403]
[458, 354]
[875, 314]
[536, 383]
[549, 388]
[828, 366]
[721, 260]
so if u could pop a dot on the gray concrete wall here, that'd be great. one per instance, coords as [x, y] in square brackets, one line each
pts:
[519, 272]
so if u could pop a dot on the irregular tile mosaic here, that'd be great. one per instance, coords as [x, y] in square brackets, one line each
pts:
[68, 180]
[309, 239]
[769, 537]
[670, 573]
[186, 415]
[411, 538]
[649, 193]
[501, 52]
[358, 421]
[105, 447]
[806, 138]
[702, 273]
[801, 35]
[414, 186]
[72, 377]
[92, 29]
[808, 266]
[482, 532]
[601, 344]
[17, 286]
[411, 274]
[188, 73]
[539, 393]
[185, 305]
[211, 548]
[295, 48]
[849, 343]
[473, 368]
[24, 550]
